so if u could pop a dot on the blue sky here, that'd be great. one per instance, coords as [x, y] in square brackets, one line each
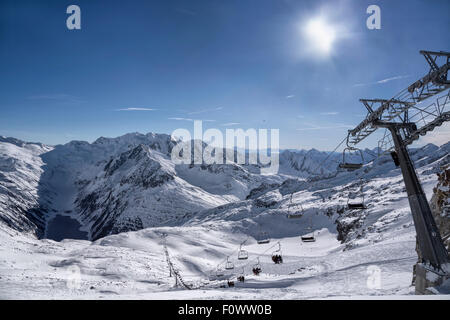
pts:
[237, 63]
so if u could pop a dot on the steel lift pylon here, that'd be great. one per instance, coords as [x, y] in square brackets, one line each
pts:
[431, 245]
[406, 119]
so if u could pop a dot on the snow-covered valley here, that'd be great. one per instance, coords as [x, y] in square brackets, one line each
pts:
[141, 213]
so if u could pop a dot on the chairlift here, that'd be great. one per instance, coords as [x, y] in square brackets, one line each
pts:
[357, 205]
[348, 165]
[307, 237]
[277, 257]
[229, 265]
[296, 214]
[219, 272]
[242, 254]
[256, 268]
[241, 277]
[263, 237]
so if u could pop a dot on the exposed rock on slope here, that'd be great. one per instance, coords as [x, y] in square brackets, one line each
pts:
[138, 188]
[20, 172]
[141, 187]
[440, 204]
[129, 183]
[440, 208]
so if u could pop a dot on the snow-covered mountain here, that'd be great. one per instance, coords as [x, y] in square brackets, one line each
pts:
[141, 187]
[21, 169]
[117, 185]
[306, 163]
[129, 183]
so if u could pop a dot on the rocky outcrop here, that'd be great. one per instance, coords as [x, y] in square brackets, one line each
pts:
[23, 201]
[440, 208]
[345, 225]
[440, 204]
[268, 200]
[133, 171]
[261, 189]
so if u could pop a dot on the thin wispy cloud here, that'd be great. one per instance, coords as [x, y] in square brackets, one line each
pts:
[437, 139]
[290, 96]
[381, 81]
[52, 96]
[393, 78]
[229, 124]
[136, 109]
[61, 98]
[189, 119]
[205, 110]
[181, 119]
[325, 127]
[438, 136]
[331, 113]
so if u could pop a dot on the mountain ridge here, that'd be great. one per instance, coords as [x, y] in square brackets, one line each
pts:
[129, 183]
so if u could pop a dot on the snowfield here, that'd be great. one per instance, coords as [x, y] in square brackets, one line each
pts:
[204, 216]
[133, 265]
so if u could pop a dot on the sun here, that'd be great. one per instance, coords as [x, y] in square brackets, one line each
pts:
[320, 35]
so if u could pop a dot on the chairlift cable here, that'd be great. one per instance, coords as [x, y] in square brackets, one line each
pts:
[326, 158]
[233, 252]
[256, 259]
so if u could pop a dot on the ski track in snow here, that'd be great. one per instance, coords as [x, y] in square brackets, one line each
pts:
[133, 265]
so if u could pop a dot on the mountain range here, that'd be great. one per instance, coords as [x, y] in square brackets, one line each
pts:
[129, 183]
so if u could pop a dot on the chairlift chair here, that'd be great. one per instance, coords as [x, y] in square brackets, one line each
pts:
[351, 166]
[309, 238]
[241, 277]
[263, 237]
[296, 214]
[277, 257]
[357, 205]
[256, 268]
[242, 254]
[229, 265]
[219, 272]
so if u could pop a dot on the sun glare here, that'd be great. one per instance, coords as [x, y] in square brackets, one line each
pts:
[320, 35]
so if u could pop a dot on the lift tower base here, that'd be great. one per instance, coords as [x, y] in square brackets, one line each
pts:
[428, 277]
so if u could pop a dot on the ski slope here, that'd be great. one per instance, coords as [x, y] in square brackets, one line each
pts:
[133, 266]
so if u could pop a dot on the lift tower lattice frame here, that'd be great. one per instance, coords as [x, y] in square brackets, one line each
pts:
[406, 118]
